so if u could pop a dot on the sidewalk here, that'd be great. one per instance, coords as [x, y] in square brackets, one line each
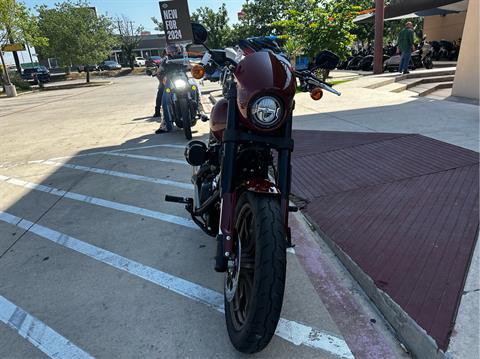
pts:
[399, 209]
[360, 109]
[390, 181]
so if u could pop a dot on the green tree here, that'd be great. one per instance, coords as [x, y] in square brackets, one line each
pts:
[294, 48]
[216, 23]
[129, 38]
[158, 23]
[260, 17]
[321, 25]
[76, 34]
[17, 24]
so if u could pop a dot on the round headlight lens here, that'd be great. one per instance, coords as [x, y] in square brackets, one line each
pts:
[267, 112]
[180, 84]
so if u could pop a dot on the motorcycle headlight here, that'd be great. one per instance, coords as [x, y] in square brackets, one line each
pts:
[180, 84]
[267, 112]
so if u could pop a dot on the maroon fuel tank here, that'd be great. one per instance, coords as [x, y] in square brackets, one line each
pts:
[261, 74]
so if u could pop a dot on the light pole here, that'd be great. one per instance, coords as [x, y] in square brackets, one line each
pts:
[10, 89]
[379, 18]
[4, 67]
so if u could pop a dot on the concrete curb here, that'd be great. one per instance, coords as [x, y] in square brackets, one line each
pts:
[415, 338]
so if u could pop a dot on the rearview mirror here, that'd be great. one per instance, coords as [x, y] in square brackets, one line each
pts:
[326, 60]
[200, 34]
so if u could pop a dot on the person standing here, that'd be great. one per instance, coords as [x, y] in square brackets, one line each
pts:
[405, 47]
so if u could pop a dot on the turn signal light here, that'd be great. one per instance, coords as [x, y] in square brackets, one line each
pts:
[316, 94]
[198, 71]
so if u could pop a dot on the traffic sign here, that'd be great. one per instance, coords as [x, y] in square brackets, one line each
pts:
[176, 21]
[13, 47]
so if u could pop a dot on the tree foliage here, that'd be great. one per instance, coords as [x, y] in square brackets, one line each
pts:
[158, 23]
[261, 17]
[129, 38]
[18, 24]
[216, 23]
[76, 34]
[320, 25]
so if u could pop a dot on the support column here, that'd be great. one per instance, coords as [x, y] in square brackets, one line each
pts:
[379, 18]
[467, 76]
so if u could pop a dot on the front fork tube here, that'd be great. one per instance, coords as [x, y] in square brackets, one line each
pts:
[228, 196]
[284, 180]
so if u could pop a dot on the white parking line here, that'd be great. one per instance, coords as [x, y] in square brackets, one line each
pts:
[131, 176]
[39, 334]
[102, 202]
[291, 331]
[148, 158]
[117, 151]
[14, 164]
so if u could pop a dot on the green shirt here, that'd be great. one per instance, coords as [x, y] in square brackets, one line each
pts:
[405, 40]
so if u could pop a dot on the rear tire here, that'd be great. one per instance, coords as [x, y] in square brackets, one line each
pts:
[186, 118]
[253, 310]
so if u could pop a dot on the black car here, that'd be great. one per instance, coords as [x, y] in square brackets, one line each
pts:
[110, 65]
[89, 68]
[36, 74]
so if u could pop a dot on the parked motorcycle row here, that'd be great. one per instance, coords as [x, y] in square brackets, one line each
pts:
[242, 177]
[426, 52]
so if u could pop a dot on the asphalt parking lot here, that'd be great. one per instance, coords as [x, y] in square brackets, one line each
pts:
[93, 262]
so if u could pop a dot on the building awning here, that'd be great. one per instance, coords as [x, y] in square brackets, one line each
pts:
[404, 9]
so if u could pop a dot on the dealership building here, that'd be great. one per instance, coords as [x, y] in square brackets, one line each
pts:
[450, 20]
[149, 45]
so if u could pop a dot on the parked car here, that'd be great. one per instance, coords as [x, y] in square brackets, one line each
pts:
[153, 61]
[89, 68]
[110, 65]
[36, 74]
[139, 61]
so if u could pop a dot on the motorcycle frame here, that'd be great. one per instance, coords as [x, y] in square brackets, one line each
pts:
[232, 137]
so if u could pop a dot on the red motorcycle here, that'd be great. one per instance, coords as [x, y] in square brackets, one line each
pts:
[241, 189]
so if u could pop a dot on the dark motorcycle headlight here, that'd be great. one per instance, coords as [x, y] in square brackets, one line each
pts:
[267, 112]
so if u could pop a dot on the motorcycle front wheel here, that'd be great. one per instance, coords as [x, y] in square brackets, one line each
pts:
[186, 118]
[255, 280]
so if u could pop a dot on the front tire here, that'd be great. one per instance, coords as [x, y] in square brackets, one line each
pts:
[186, 118]
[253, 304]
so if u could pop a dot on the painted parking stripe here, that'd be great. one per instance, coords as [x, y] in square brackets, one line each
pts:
[294, 332]
[102, 202]
[14, 164]
[37, 333]
[131, 176]
[148, 158]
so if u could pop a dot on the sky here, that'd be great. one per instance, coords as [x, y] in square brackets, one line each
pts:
[139, 11]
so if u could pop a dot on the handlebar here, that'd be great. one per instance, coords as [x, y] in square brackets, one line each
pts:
[311, 81]
[328, 88]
